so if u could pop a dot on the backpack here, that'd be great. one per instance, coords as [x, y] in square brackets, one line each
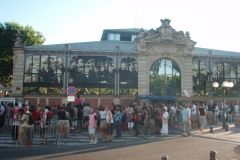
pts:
[30, 119]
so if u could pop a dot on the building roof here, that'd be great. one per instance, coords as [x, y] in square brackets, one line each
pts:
[204, 51]
[104, 46]
[134, 31]
[124, 46]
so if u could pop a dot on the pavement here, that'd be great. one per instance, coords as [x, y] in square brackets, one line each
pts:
[195, 147]
[219, 133]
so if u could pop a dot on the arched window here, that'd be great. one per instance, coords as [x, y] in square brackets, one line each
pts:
[165, 78]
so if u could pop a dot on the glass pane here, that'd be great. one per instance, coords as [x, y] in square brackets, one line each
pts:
[133, 91]
[226, 70]
[165, 79]
[117, 37]
[214, 70]
[203, 69]
[43, 90]
[106, 91]
[220, 69]
[133, 37]
[111, 37]
[30, 90]
[195, 69]
[52, 90]
[91, 91]
[124, 91]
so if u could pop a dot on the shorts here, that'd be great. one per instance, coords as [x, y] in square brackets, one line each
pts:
[202, 120]
[74, 123]
[91, 130]
[27, 134]
[42, 131]
[130, 124]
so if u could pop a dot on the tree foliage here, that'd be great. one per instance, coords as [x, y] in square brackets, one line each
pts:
[8, 31]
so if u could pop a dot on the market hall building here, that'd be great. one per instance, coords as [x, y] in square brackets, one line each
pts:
[124, 66]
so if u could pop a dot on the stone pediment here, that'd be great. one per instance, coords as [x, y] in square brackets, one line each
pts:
[164, 34]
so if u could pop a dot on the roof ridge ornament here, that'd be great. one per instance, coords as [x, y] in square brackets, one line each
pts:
[18, 41]
[166, 32]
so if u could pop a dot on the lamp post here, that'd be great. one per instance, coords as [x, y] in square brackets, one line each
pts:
[225, 85]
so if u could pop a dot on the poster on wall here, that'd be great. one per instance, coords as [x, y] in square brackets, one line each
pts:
[128, 71]
[91, 69]
[46, 69]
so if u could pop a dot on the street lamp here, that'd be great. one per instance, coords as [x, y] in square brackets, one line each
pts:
[225, 85]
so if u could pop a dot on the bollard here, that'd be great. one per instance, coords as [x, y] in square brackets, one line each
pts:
[211, 129]
[227, 128]
[213, 155]
[165, 158]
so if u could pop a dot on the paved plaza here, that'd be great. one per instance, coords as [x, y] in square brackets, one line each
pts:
[197, 146]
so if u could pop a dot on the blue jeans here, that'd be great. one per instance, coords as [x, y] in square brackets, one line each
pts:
[148, 125]
[118, 128]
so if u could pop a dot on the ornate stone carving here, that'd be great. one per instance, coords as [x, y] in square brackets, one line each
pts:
[163, 49]
[18, 42]
[165, 30]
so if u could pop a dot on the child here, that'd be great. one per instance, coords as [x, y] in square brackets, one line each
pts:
[92, 124]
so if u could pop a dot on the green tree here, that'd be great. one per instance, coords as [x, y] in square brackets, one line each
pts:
[8, 31]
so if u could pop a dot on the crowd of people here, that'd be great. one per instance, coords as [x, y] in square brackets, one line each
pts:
[83, 117]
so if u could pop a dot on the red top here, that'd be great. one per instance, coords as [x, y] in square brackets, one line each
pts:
[50, 114]
[35, 115]
[78, 101]
[136, 117]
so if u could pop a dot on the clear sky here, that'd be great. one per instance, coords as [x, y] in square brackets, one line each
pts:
[213, 24]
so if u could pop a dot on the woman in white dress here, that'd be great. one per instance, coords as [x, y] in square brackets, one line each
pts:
[165, 118]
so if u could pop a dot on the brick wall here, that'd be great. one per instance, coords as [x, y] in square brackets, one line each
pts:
[92, 102]
[106, 102]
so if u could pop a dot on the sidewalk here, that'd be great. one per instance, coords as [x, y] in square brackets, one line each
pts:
[218, 132]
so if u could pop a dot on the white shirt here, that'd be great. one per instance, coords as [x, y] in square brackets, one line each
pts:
[165, 107]
[2, 110]
[236, 108]
[103, 114]
[194, 110]
[173, 109]
[16, 122]
[107, 117]
[216, 110]
[46, 110]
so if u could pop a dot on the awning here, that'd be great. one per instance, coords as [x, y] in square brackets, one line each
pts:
[158, 98]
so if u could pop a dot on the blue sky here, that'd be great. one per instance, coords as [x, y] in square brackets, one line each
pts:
[212, 24]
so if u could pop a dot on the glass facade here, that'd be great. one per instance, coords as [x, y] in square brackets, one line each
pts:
[165, 78]
[91, 75]
[221, 71]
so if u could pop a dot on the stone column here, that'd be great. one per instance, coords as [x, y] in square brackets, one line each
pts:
[18, 69]
[142, 76]
[186, 75]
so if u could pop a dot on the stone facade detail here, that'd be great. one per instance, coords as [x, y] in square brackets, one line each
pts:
[164, 42]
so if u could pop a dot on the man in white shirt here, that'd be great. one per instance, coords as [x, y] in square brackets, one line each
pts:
[194, 109]
[216, 113]
[236, 108]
